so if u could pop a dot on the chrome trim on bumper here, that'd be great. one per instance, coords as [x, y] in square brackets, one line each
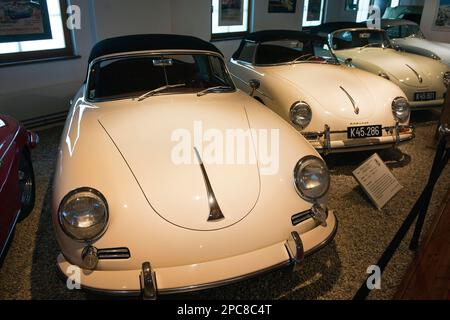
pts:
[287, 263]
[148, 282]
[326, 143]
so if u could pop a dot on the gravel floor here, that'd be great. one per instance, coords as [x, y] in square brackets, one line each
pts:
[336, 272]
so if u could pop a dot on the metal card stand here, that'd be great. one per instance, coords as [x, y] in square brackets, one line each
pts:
[420, 209]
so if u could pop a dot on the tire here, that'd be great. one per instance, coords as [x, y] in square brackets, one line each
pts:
[27, 185]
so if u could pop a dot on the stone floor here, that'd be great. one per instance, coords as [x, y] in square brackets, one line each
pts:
[336, 272]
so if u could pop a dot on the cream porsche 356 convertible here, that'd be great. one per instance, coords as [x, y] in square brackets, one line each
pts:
[134, 216]
[422, 79]
[336, 108]
[409, 37]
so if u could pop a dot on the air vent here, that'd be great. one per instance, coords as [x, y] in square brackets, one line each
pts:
[114, 254]
[300, 217]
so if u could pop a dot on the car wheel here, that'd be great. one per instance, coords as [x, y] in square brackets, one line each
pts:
[26, 185]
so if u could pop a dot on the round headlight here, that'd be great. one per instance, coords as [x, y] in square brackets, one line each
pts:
[301, 114]
[83, 214]
[401, 109]
[312, 179]
[447, 79]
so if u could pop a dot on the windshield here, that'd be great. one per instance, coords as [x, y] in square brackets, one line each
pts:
[404, 31]
[134, 76]
[349, 39]
[293, 51]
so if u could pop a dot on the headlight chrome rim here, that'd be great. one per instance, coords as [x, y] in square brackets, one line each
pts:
[70, 195]
[295, 108]
[395, 110]
[297, 168]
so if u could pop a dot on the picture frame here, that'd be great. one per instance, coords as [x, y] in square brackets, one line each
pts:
[442, 16]
[231, 12]
[282, 6]
[351, 5]
[25, 20]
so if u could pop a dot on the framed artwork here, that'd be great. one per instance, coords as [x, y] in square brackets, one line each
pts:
[24, 20]
[442, 20]
[282, 6]
[314, 12]
[231, 12]
[351, 5]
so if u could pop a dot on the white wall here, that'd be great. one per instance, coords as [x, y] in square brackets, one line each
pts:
[34, 90]
[428, 18]
[118, 17]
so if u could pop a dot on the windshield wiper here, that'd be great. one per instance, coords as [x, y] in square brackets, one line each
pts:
[308, 55]
[214, 89]
[371, 45]
[161, 89]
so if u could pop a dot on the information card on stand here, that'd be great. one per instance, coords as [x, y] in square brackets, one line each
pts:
[377, 181]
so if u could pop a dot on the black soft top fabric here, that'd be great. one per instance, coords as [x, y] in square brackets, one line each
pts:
[145, 42]
[274, 35]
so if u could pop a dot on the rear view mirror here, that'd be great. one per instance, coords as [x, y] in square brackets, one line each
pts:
[163, 62]
[254, 85]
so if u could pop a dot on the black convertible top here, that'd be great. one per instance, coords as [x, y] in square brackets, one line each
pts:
[144, 42]
[330, 27]
[274, 35]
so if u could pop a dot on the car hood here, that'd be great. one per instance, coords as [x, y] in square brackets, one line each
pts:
[342, 91]
[440, 49]
[404, 67]
[154, 135]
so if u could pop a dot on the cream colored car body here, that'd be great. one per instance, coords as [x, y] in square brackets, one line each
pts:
[411, 72]
[158, 209]
[321, 86]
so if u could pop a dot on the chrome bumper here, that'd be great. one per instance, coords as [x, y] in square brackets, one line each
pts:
[324, 140]
[147, 276]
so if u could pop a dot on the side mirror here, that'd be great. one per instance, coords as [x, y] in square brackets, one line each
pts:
[348, 62]
[255, 85]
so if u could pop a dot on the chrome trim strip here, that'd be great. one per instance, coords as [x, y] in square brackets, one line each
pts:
[215, 213]
[355, 107]
[9, 146]
[416, 73]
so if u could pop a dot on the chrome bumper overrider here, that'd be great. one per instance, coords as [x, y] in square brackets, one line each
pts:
[323, 142]
[147, 288]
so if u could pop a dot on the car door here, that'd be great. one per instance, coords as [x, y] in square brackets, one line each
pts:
[9, 186]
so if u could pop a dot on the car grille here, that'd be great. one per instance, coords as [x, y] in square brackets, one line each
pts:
[300, 217]
[114, 254]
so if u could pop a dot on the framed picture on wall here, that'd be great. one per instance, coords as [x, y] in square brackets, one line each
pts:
[314, 11]
[442, 21]
[351, 5]
[24, 20]
[230, 12]
[282, 6]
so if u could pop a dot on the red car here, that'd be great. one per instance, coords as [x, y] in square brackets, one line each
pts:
[17, 188]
